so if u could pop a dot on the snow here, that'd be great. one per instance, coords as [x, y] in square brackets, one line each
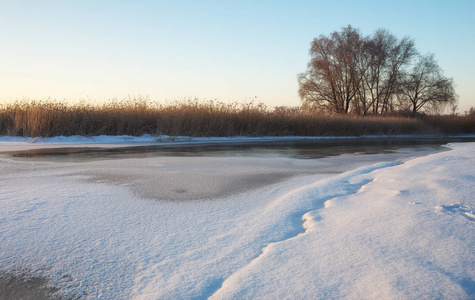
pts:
[395, 235]
[383, 226]
[21, 143]
[145, 139]
[120, 140]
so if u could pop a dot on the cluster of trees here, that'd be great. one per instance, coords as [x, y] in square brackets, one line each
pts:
[376, 74]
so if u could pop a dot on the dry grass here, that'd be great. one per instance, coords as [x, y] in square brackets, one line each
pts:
[450, 124]
[196, 118]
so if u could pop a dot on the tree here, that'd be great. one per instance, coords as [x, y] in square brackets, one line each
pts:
[352, 73]
[426, 85]
[385, 58]
[471, 112]
[332, 72]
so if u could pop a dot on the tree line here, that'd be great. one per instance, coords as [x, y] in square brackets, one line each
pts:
[350, 73]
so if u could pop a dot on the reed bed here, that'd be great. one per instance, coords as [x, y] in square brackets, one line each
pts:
[206, 118]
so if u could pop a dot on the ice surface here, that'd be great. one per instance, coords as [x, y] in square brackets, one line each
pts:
[378, 227]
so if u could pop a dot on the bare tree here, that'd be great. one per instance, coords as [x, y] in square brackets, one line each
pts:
[332, 72]
[425, 85]
[470, 112]
[384, 58]
[352, 73]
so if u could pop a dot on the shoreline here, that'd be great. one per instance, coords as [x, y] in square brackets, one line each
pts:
[27, 147]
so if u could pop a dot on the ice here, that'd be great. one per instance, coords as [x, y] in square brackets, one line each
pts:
[382, 226]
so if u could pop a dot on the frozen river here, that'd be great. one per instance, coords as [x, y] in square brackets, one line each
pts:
[212, 220]
[207, 171]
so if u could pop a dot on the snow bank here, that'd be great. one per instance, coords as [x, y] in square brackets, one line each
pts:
[405, 232]
[145, 139]
[124, 140]
[386, 230]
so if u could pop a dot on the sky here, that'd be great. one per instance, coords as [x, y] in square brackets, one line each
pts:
[211, 50]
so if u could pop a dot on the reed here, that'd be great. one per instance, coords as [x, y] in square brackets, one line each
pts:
[206, 118]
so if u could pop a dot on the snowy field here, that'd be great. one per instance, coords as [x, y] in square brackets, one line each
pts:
[397, 225]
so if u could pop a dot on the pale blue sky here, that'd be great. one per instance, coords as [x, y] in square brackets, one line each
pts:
[224, 50]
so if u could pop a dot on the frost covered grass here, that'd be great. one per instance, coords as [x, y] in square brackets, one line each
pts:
[205, 118]
[359, 227]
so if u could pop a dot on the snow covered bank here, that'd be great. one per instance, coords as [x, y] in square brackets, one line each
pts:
[121, 140]
[18, 143]
[383, 230]
[405, 232]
